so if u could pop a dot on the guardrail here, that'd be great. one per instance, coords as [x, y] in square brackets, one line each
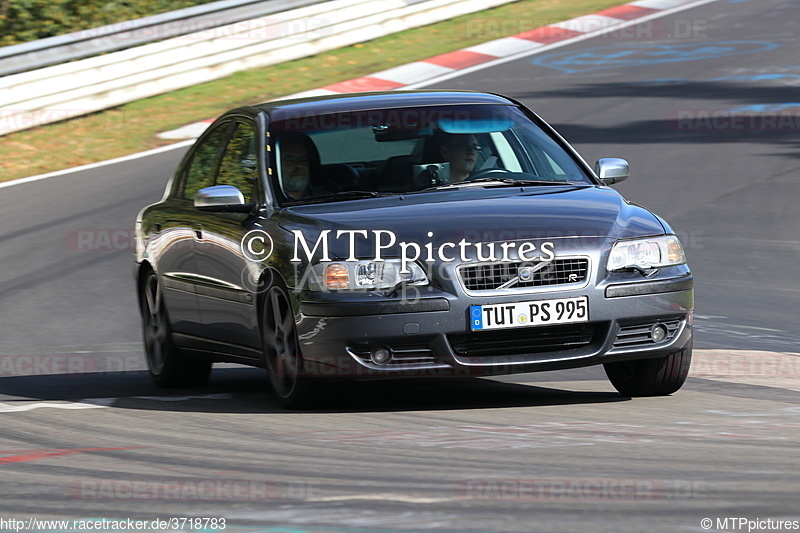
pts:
[105, 39]
[63, 91]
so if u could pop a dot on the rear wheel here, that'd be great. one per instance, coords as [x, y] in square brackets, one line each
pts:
[282, 352]
[651, 377]
[166, 364]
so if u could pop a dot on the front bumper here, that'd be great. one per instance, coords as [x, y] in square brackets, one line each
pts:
[431, 336]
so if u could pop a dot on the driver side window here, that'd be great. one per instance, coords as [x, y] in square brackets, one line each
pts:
[239, 163]
[201, 169]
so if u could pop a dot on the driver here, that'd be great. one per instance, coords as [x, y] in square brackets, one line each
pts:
[461, 151]
[299, 163]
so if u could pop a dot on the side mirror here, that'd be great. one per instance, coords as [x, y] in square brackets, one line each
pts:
[612, 170]
[222, 198]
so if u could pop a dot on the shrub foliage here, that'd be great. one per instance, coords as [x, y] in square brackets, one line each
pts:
[29, 20]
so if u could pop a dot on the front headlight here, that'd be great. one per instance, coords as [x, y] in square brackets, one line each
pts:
[366, 275]
[653, 252]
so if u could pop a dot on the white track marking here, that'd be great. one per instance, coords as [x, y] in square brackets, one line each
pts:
[221, 396]
[9, 408]
[100, 403]
[90, 166]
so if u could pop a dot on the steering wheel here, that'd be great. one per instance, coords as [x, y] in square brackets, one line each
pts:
[342, 177]
[486, 173]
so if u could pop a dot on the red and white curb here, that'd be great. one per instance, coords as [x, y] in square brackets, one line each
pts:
[526, 43]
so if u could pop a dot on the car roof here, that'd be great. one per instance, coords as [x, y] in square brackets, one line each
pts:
[377, 100]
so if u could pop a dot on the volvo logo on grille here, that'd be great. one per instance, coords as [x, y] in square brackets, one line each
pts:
[525, 273]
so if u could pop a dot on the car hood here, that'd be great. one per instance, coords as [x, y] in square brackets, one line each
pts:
[486, 215]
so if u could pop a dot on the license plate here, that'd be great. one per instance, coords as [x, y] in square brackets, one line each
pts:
[532, 313]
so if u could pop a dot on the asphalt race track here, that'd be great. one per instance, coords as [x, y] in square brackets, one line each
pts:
[85, 436]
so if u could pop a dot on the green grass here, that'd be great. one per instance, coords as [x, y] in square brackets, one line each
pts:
[133, 127]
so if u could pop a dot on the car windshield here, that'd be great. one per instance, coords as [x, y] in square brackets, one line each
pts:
[407, 150]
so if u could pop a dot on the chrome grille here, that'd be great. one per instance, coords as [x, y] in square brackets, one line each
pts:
[401, 354]
[494, 276]
[639, 334]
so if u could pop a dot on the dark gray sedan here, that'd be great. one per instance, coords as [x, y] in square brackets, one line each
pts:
[419, 233]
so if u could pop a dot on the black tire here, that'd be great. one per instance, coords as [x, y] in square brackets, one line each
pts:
[282, 354]
[651, 377]
[168, 367]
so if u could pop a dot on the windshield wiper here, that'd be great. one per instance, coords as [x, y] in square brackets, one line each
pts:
[499, 182]
[512, 181]
[344, 195]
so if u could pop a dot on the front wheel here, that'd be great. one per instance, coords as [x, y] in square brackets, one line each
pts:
[284, 360]
[651, 377]
[166, 364]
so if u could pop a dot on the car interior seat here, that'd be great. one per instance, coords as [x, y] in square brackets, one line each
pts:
[397, 174]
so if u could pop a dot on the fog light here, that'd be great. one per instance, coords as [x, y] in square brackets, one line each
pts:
[659, 333]
[380, 355]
